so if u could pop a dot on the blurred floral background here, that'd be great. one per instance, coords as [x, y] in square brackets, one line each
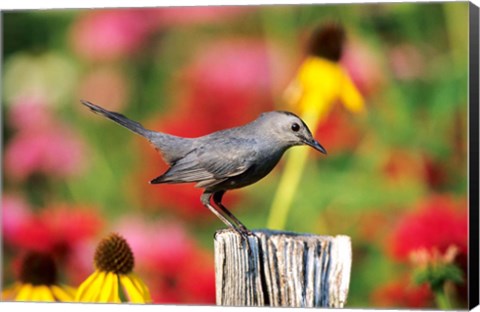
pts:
[394, 180]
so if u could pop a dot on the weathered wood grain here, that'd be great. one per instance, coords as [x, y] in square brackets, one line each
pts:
[282, 269]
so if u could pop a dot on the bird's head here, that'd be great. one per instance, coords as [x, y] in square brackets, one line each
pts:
[288, 129]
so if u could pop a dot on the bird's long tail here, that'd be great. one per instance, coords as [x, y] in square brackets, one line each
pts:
[118, 118]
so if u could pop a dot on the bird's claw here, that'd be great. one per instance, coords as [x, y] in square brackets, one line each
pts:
[244, 232]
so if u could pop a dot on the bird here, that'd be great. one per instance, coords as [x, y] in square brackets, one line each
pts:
[224, 160]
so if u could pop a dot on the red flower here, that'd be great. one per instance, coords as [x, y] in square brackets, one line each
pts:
[55, 229]
[63, 231]
[338, 132]
[437, 223]
[402, 294]
[181, 121]
[175, 269]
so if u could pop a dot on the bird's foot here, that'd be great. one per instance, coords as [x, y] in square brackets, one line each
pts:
[243, 231]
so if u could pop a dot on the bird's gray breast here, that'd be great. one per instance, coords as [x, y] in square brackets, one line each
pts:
[258, 167]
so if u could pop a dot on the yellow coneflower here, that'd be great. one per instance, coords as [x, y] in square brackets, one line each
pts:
[319, 83]
[38, 281]
[113, 280]
[321, 80]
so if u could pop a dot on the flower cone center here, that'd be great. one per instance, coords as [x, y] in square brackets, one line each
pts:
[38, 269]
[113, 254]
[327, 42]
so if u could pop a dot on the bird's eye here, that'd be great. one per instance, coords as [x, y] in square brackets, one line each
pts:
[295, 127]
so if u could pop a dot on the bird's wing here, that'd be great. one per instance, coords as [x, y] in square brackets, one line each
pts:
[212, 163]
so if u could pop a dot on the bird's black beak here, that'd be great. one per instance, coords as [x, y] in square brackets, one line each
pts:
[316, 146]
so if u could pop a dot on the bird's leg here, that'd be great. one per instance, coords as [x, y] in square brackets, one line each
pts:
[217, 199]
[240, 228]
[205, 198]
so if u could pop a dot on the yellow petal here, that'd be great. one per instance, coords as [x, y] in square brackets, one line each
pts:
[42, 293]
[133, 293]
[106, 290]
[319, 78]
[109, 291]
[321, 83]
[88, 291]
[135, 289]
[115, 293]
[9, 293]
[70, 290]
[140, 284]
[63, 293]
[24, 293]
[80, 295]
[93, 293]
[350, 96]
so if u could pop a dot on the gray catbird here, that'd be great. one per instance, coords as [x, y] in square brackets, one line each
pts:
[226, 159]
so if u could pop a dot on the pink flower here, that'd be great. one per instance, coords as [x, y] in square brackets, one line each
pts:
[169, 260]
[104, 35]
[156, 241]
[29, 113]
[52, 150]
[363, 66]
[232, 82]
[15, 214]
[176, 16]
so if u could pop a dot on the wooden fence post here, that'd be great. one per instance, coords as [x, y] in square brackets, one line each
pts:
[281, 269]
